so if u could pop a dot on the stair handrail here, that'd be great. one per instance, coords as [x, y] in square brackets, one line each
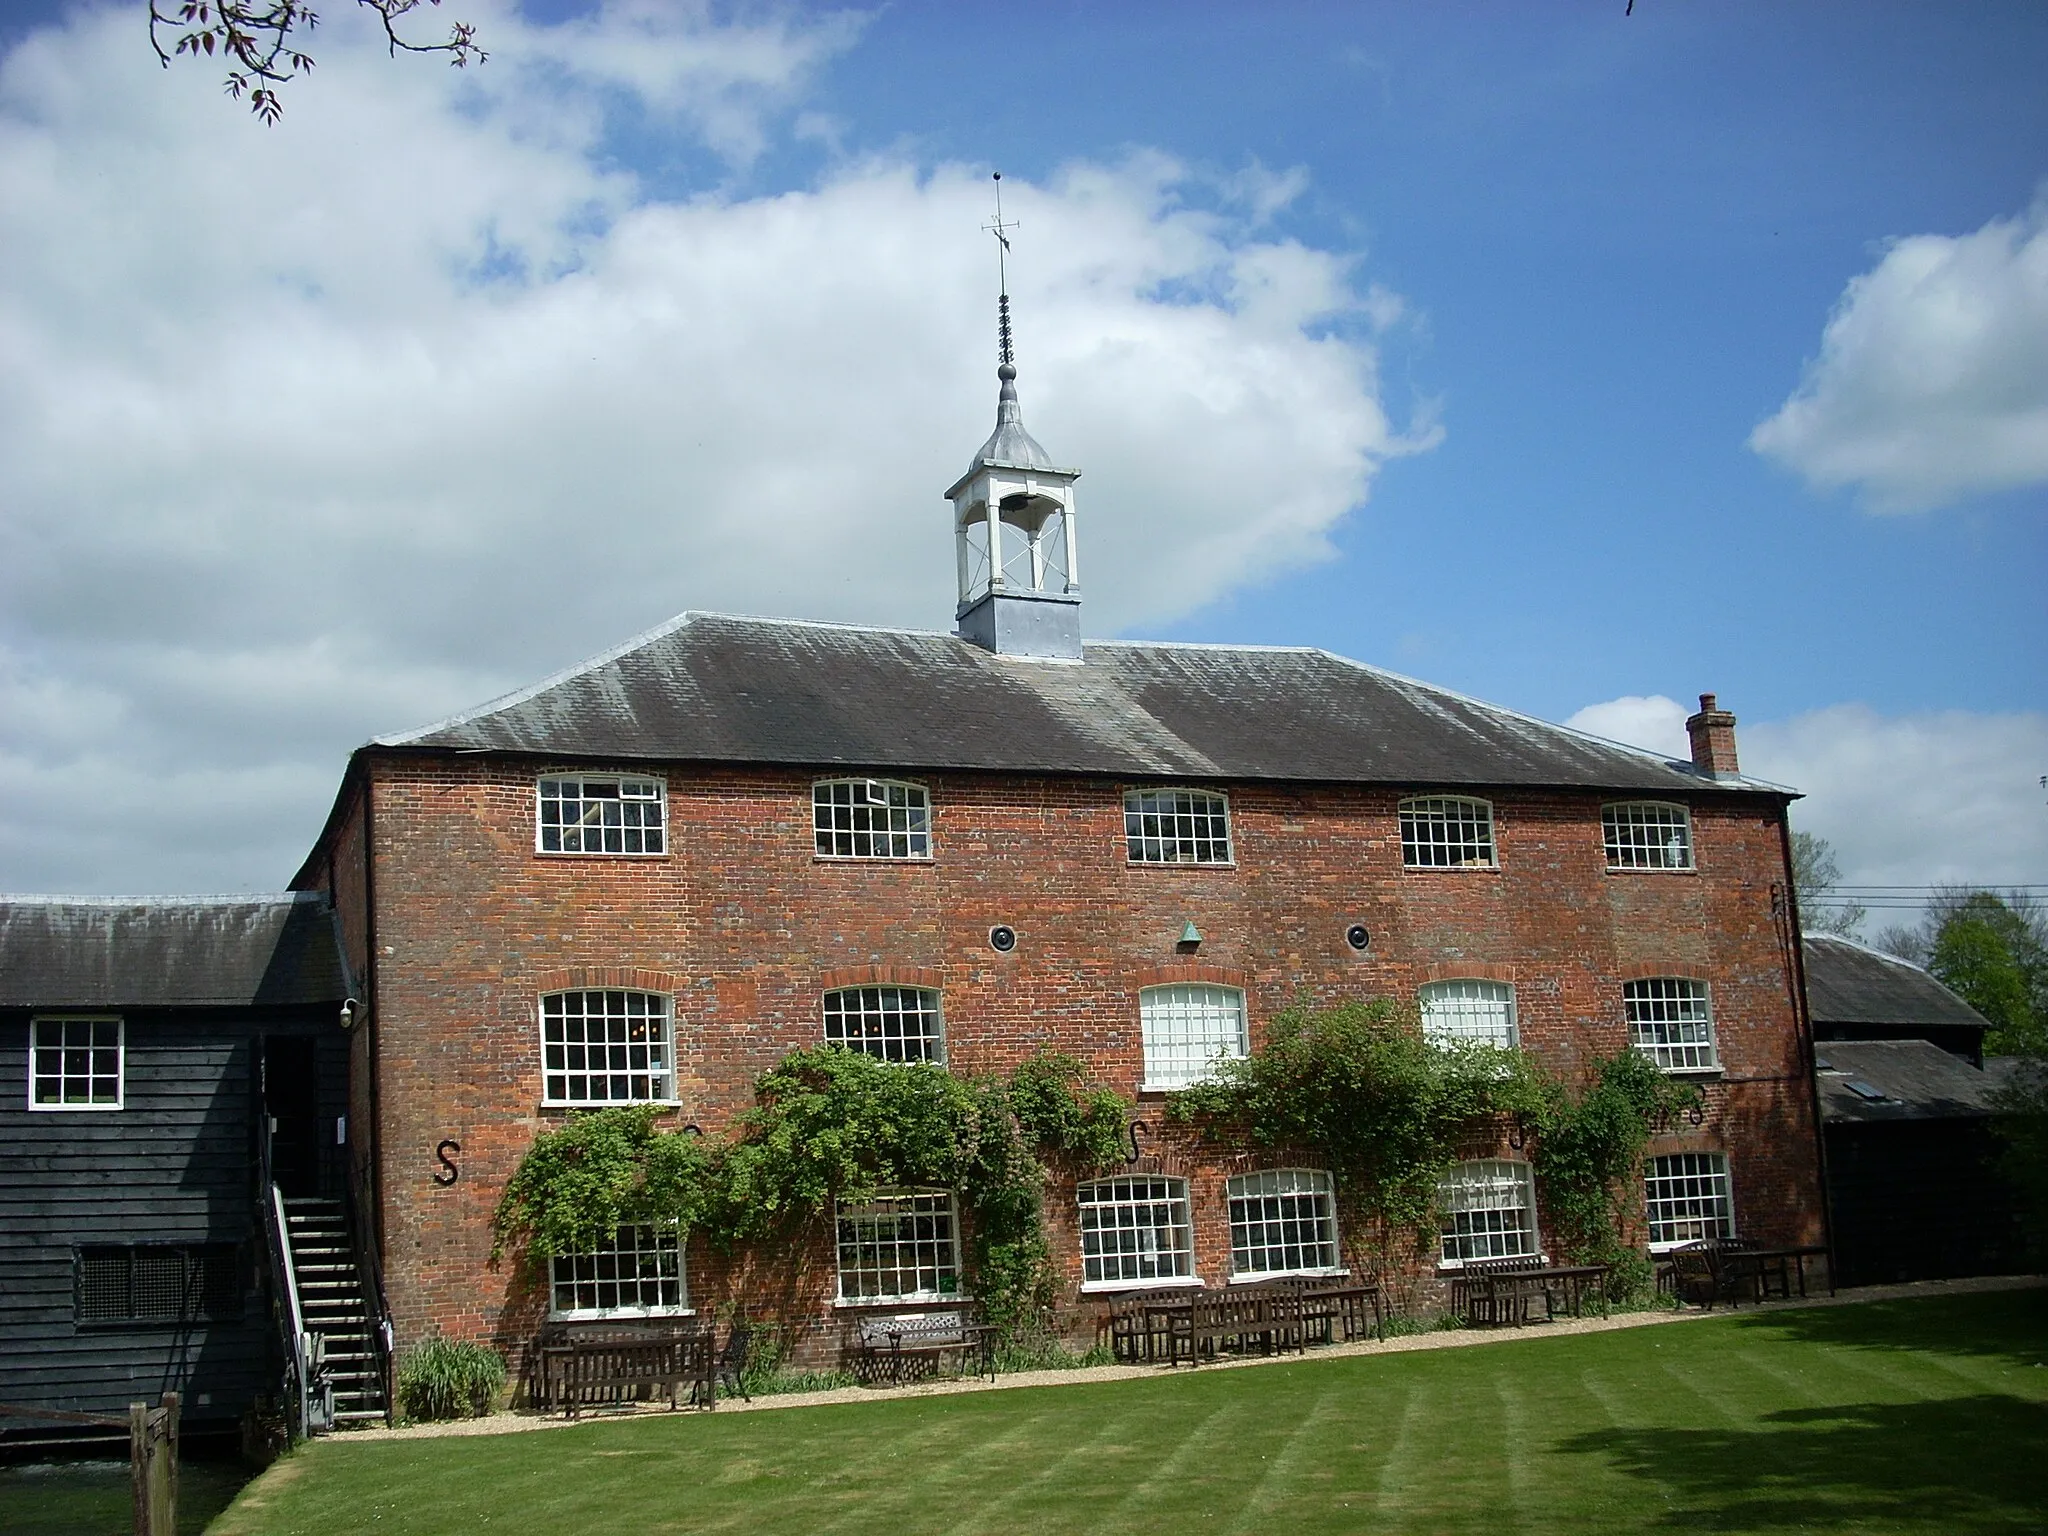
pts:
[370, 1270]
[283, 1275]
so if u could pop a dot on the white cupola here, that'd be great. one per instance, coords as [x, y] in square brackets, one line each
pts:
[1013, 533]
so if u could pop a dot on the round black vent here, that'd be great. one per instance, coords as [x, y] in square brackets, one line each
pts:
[1358, 937]
[1002, 938]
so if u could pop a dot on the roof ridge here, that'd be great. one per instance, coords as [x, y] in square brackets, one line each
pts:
[1874, 951]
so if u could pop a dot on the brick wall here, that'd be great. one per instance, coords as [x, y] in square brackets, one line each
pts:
[746, 927]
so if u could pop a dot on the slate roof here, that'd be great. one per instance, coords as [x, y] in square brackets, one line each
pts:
[711, 687]
[1848, 983]
[144, 952]
[1919, 1081]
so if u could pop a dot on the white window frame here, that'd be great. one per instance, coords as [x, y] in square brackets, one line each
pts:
[1625, 826]
[1270, 1202]
[880, 1008]
[1418, 812]
[63, 1051]
[895, 799]
[1176, 1057]
[1176, 818]
[1662, 1027]
[1146, 1241]
[1475, 1188]
[1702, 1168]
[1458, 1001]
[646, 831]
[620, 1053]
[652, 1249]
[898, 1206]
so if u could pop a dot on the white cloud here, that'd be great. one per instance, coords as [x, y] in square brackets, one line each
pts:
[1932, 379]
[1654, 723]
[324, 430]
[1942, 797]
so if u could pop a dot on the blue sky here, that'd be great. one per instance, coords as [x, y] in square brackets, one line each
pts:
[1431, 335]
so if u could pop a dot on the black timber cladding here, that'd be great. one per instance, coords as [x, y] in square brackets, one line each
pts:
[178, 1164]
[714, 688]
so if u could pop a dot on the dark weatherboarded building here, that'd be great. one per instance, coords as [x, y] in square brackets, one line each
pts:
[1915, 1189]
[159, 1055]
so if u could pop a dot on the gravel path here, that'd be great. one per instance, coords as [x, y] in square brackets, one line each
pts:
[1453, 1338]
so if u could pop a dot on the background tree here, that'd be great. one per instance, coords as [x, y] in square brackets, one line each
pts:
[264, 41]
[1815, 873]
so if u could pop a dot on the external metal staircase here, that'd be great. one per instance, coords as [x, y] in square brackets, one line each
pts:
[335, 1306]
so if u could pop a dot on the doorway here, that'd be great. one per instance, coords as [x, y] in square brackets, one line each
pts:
[291, 1103]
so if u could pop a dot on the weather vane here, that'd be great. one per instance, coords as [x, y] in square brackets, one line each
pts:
[996, 227]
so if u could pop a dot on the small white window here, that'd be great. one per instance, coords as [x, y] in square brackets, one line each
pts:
[1671, 1021]
[1176, 826]
[1283, 1222]
[1642, 834]
[1135, 1232]
[606, 1048]
[76, 1063]
[602, 813]
[871, 819]
[1489, 1212]
[901, 1246]
[1687, 1193]
[1447, 832]
[1187, 1029]
[638, 1274]
[892, 1023]
[1469, 1013]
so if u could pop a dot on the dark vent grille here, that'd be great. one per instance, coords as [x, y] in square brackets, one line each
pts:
[159, 1284]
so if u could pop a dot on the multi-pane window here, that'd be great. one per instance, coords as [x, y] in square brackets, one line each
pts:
[1644, 834]
[900, 1246]
[871, 819]
[75, 1064]
[1187, 1029]
[159, 1284]
[602, 814]
[639, 1273]
[893, 1023]
[1469, 1013]
[1282, 1222]
[1489, 1211]
[1176, 826]
[1446, 832]
[1671, 1021]
[606, 1048]
[1135, 1231]
[1688, 1198]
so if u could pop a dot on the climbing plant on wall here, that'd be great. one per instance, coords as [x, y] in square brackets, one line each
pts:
[831, 1125]
[1589, 1155]
[1358, 1085]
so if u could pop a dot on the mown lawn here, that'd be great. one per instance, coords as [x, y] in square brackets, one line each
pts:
[1922, 1416]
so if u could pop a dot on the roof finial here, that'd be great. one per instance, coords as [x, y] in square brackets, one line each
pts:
[1006, 358]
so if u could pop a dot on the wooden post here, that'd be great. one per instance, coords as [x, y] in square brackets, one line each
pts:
[153, 1464]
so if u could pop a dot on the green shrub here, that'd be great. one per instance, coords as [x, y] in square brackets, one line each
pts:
[449, 1379]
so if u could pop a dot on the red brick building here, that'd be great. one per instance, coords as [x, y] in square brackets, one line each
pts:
[652, 876]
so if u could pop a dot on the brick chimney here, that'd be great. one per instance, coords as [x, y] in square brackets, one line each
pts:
[1713, 739]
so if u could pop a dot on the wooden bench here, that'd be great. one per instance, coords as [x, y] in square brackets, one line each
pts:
[578, 1370]
[892, 1348]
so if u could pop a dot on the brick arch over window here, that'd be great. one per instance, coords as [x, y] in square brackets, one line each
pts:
[883, 976]
[1652, 970]
[1188, 971]
[1466, 970]
[608, 978]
